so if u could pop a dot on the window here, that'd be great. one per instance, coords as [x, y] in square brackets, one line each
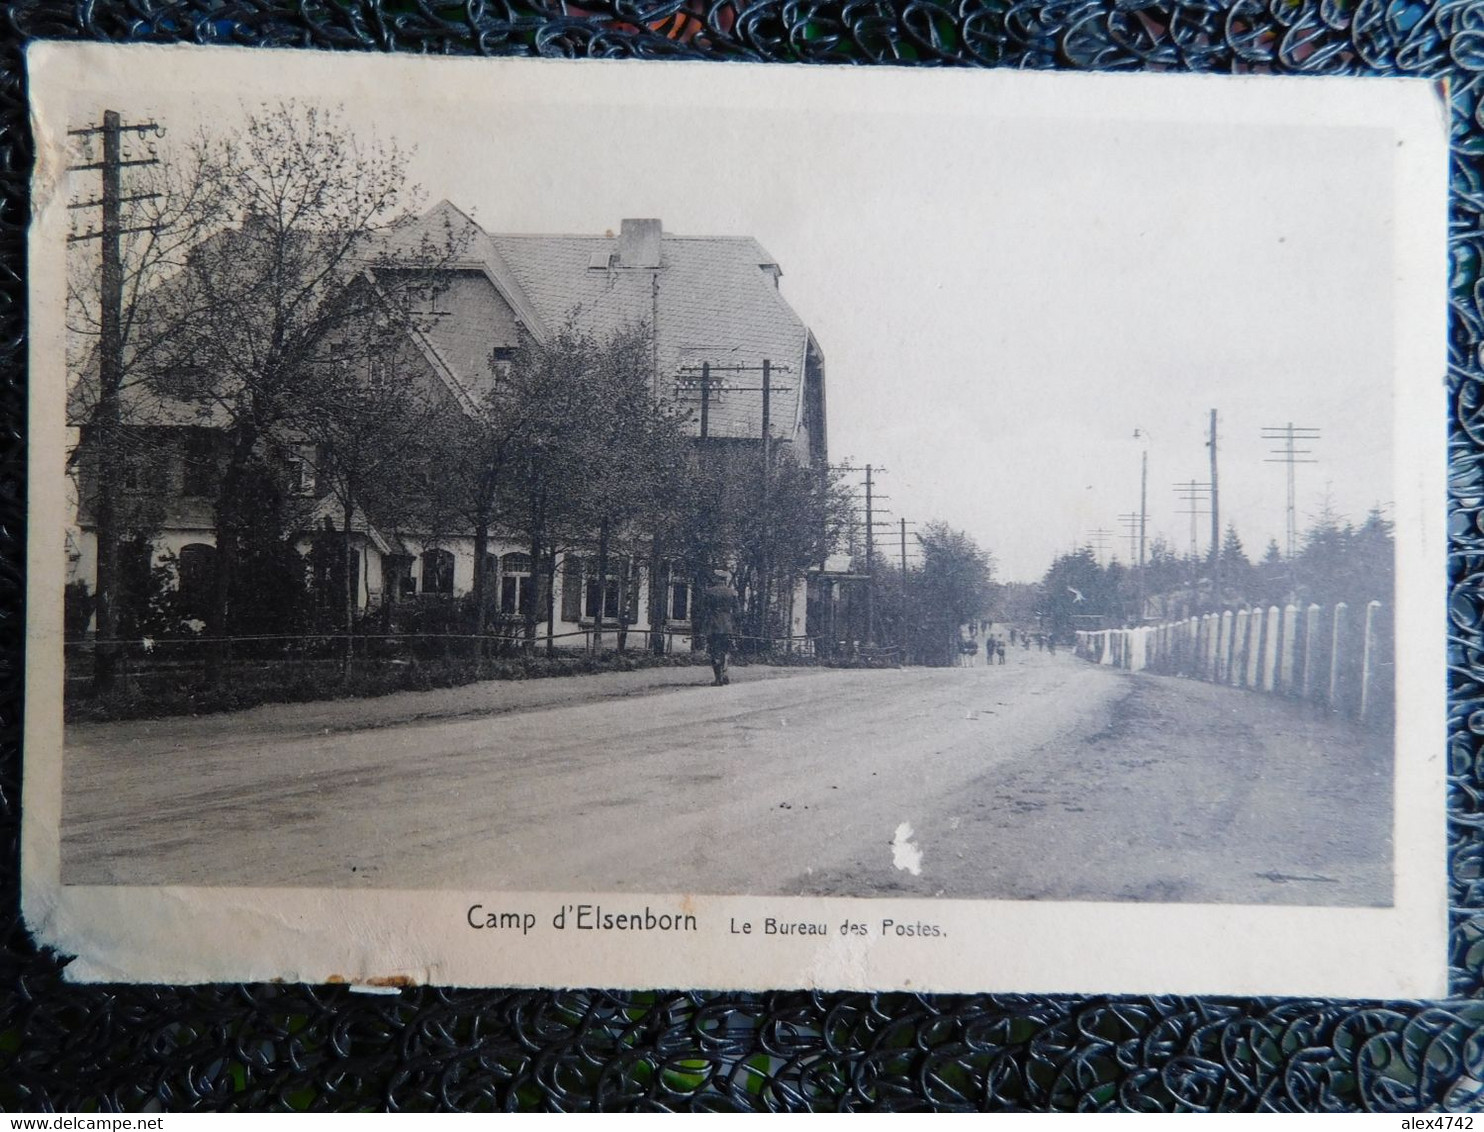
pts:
[516, 593]
[501, 359]
[381, 370]
[197, 567]
[396, 576]
[200, 474]
[679, 601]
[437, 572]
[428, 298]
[303, 471]
[145, 463]
[604, 592]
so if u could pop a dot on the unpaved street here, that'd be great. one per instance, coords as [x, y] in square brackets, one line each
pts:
[1043, 778]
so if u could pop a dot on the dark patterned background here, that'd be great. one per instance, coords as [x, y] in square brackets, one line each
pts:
[257, 1047]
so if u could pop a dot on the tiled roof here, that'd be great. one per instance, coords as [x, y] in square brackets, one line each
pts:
[713, 303]
[710, 297]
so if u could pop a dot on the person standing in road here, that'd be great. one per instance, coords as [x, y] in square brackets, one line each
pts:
[720, 606]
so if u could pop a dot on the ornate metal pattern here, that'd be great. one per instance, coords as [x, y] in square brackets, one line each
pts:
[276, 1046]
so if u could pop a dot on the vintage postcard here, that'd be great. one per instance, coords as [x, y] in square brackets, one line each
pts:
[599, 523]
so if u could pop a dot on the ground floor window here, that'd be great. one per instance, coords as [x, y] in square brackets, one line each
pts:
[679, 601]
[437, 572]
[586, 595]
[396, 576]
[600, 595]
[197, 567]
[517, 594]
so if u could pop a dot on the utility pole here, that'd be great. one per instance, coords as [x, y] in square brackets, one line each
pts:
[1143, 519]
[1141, 434]
[1099, 540]
[104, 426]
[1215, 519]
[1193, 494]
[873, 499]
[903, 528]
[705, 400]
[686, 382]
[1130, 523]
[1288, 436]
[708, 387]
[870, 564]
[765, 565]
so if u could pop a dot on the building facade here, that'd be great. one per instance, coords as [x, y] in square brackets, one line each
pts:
[706, 301]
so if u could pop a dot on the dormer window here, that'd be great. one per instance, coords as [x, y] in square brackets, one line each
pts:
[601, 261]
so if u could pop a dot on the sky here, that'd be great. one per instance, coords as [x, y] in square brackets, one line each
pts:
[1008, 279]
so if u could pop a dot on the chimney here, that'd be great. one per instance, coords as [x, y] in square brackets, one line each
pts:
[639, 243]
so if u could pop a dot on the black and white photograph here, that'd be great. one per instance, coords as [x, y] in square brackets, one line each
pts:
[808, 529]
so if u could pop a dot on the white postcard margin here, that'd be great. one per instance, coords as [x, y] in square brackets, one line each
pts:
[388, 937]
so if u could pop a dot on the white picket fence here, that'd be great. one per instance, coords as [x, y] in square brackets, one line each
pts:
[1334, 655]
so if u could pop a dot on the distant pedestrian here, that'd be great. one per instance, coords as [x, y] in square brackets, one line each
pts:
[999, 650]
[720, 603]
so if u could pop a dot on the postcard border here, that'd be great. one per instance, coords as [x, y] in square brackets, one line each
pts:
[1427, 48]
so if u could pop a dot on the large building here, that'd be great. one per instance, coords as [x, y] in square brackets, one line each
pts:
[705, 300]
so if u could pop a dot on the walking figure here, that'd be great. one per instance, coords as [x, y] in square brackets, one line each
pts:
[720, 604]
[999, 651]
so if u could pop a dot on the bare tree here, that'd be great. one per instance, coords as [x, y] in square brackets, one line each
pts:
[260, 302]
[368, 430]
[587, 463]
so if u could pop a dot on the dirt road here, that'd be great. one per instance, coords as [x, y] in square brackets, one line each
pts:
[1044, 778]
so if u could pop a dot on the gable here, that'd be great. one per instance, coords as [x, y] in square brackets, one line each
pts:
[466, 320]
[710, 300]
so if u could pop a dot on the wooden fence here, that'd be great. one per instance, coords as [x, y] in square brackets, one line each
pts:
[1339, 656]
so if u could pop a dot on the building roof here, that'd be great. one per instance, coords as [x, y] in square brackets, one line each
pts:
[713, 299]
